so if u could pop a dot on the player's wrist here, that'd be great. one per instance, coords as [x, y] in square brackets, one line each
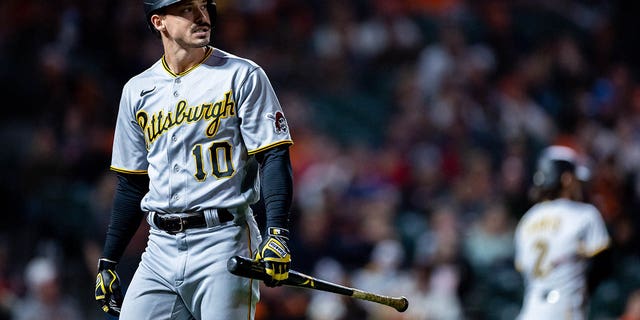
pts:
[106, 264]
[278, 232]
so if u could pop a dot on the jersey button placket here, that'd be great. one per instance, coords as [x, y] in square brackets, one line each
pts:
[174, 150]
[176, 84]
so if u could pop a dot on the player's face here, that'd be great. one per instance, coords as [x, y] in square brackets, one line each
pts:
[577, 191]
[188, 23]
[571, 187]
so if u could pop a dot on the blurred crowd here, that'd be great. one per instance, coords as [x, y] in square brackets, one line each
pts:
[416, 126]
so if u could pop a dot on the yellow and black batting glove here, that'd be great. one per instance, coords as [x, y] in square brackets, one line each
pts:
[274, 253]
[108, 290]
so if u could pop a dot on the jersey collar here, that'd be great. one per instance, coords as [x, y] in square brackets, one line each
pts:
[166, 66]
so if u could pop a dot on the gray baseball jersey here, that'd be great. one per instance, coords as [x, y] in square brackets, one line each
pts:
[194, 133]
[553, 241]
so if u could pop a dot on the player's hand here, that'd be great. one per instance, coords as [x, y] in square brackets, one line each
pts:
[108, 290]
[274, 253]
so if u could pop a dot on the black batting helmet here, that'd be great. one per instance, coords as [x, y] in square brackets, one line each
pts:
[152, 6]
[553, 162]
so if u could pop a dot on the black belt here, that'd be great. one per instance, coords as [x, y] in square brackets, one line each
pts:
[173, 224]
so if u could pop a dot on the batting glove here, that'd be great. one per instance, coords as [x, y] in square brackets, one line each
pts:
[108, 290]
[274, 253]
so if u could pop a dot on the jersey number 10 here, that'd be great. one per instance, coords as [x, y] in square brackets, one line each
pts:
[219, 157]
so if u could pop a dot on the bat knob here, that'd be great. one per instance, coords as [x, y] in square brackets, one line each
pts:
[404, 305]
[233, 265]
[245, 267]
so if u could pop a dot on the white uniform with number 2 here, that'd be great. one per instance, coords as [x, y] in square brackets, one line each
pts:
[195, 135]
[553, 241]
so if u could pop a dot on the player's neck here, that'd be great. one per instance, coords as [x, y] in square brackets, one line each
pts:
[180, 59]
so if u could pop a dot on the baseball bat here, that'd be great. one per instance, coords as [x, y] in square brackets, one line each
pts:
[249, 268]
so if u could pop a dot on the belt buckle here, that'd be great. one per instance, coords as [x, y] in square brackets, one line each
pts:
[180, 222]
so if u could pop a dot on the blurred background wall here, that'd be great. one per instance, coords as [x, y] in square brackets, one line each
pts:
[416, 126]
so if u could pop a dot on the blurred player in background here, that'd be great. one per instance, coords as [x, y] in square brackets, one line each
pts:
[45, 298]
[560, 241]
[196, 133]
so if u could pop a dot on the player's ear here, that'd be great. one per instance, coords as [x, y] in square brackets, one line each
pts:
[157, 22]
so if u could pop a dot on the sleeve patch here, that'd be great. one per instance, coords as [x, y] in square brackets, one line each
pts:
[279, 122]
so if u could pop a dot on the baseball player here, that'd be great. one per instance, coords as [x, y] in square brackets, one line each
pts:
[195, 135]
[557, 239]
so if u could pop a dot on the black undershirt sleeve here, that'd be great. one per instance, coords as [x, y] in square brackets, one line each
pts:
[126, 214]
[277, 185]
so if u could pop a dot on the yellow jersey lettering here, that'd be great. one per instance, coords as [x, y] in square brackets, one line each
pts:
[156, 124]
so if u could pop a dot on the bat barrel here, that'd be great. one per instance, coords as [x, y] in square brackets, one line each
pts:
[399, 303]
[403, 305]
